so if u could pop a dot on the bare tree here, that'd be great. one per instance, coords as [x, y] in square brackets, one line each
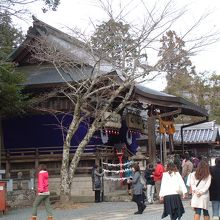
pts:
[17, 7]
[100, 79]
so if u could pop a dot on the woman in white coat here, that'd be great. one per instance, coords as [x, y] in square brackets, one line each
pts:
[200, 183]
[172, 186]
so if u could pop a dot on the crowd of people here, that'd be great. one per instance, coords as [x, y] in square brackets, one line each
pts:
[191, 178]
[187, 178]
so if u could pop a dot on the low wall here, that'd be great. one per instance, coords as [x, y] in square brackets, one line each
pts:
[81, 191]
[20, 198]
[82, 186]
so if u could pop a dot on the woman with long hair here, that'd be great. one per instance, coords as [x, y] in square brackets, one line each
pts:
[172, 187]
[200, 183]
[137, 187]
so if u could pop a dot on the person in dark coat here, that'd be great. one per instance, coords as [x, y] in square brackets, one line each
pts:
[150, 183]
[214, 189]
[137, 187]
[96, 182]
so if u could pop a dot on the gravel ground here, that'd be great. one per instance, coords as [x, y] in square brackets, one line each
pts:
[98, 211]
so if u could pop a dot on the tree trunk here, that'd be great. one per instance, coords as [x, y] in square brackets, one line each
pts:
[68, 170]
[151, 138]
[76, 158]
[65, 190]
[65, 183]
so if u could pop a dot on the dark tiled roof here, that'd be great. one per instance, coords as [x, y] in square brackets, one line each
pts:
[42, 75]
[203, 133]
[170, 101]
[198, 134]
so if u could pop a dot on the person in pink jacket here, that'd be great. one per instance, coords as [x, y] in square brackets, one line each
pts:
[43, 193]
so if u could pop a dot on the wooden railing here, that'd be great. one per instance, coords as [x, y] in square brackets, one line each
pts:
[50, 152]
[23, 160]
[16, 154]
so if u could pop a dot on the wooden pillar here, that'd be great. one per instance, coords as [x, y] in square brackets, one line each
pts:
[7, 165]
[164, 148]
[36, 160]
[171, 144]
[151, 138]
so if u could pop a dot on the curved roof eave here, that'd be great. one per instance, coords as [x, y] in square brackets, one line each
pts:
[170, 101]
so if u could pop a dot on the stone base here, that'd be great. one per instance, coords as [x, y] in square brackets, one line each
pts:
[81, 192]
[20, 198]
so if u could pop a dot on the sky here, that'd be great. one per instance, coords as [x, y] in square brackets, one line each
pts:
[84, 14]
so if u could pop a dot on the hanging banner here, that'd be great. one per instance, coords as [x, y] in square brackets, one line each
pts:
[104, 136]
[119, 172]
[134, 121]
[144, 127]
[118, 164]
[113, 120]
[115, 179]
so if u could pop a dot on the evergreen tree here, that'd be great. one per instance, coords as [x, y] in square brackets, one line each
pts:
[12, 99]
[199, 89]
[176, 63]
[213, 97]
[113, 41]
[182, 80]
[10, 37]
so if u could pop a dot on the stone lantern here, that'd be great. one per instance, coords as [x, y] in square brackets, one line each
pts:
[140, 159]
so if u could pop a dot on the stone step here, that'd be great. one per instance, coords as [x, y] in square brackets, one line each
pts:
[117, 198]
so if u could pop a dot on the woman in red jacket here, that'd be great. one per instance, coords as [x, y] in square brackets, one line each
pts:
[43, 193]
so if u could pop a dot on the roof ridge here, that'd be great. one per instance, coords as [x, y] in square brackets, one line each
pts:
[39, 23]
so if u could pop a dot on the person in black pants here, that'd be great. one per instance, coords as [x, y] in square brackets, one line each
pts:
[214, 190]
[96, 182]
[137, 189]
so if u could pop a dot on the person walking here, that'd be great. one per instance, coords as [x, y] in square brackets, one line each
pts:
[200, 183]
[214, 190]
[187, 169]
[157, 175]
[137, 188]
[96, 182]
[43, 194]
[150, 183]
[128, 174]
[172, 187]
